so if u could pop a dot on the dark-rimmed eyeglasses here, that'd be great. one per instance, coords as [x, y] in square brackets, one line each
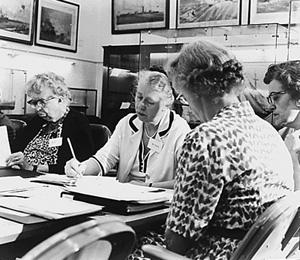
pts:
[39, 102]
[272, 94]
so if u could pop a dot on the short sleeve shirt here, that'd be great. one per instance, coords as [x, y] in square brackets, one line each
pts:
[229, 169]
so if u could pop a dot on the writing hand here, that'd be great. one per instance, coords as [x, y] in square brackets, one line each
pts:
[74, 168]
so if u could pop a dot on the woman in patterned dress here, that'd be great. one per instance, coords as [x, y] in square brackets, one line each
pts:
[43, 145]
[231, 167]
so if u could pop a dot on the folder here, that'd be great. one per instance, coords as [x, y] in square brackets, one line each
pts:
[115, 206]
[116, 197]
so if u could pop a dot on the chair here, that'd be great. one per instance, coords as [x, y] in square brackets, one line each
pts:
[18, 125]
[104, 238]
[270, 236]
[100, 134]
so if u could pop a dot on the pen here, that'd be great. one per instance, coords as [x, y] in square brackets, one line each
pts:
[73, 153]
[71, 147]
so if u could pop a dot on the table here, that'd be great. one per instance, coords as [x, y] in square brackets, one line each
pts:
[16, 238]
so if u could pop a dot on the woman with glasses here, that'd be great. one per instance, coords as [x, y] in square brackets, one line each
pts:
[42, 145]
[284, 96]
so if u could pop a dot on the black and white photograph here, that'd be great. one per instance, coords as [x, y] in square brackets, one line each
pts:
[136, 15]
[274, 11]
[17, 20]
[57, 24]
[202, 13]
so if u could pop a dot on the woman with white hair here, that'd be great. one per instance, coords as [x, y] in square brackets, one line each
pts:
[42, 145]
[146, 144]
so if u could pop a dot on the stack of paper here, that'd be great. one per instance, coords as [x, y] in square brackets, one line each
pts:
[51, 208]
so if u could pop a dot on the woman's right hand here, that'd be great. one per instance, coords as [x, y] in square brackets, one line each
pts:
[74, 168]
[17, 159]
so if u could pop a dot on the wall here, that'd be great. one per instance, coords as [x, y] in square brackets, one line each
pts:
[84, 68]
[81, 70]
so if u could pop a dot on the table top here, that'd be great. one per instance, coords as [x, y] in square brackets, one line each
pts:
[12, 231]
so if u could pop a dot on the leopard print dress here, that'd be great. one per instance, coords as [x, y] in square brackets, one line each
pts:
[230, 169]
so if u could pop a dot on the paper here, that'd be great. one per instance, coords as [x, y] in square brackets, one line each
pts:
[50, 178]
[15, 184]
[125, 105]
[4, 144]
[50, 208]
[110, 188]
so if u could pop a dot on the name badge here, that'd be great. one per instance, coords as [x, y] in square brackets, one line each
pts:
[155, 145]
[55, 142]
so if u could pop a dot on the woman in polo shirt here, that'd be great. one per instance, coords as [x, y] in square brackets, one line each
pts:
[145, 145]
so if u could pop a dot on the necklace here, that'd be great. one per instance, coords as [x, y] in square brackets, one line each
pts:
[146, 132]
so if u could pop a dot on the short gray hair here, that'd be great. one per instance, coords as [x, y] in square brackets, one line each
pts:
[159, 82]
[49, 80]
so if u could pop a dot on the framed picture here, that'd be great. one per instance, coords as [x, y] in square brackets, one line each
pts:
[129, 16]
[274, 11]
[204, 13]
[17, 20]
[57, 25]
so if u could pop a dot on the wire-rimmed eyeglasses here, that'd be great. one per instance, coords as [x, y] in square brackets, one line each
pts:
[272, 94]
[39, 102]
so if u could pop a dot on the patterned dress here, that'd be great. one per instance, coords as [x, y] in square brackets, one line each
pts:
[230, 169]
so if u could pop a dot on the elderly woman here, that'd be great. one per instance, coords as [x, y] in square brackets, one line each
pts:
[43, 142]
[231, 167]
[284, 87]
[145, 145]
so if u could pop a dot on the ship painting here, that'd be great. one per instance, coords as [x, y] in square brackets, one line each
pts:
[15, 17]
[3, 16]
[139, 12]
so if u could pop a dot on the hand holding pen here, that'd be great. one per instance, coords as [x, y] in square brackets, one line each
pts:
[73, 167]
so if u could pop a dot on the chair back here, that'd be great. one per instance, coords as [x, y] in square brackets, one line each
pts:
[271, 233]
[18, 125]
[104, 238]
[100, 134]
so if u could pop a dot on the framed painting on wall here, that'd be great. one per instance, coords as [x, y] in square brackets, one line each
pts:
[17, 20]
[274, 11]
[57, 25]
[204, 13]
[129, 16]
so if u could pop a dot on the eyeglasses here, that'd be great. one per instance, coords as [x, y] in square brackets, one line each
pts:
[39, 102]
[272, 94]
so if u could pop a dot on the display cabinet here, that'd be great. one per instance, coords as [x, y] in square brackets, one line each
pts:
[256, 46]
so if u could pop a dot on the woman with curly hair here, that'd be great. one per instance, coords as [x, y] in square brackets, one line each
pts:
[284, 97]
[232, 166]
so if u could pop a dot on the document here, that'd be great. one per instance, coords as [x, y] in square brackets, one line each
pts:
[4, 144]
[11, 184]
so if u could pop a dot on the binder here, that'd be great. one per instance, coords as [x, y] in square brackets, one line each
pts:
[115, 206]
[116, 197]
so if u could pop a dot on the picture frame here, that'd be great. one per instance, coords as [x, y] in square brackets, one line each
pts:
[207, 13]
[132, 16]
[17, 20]
[262, 11]
[57, 25]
